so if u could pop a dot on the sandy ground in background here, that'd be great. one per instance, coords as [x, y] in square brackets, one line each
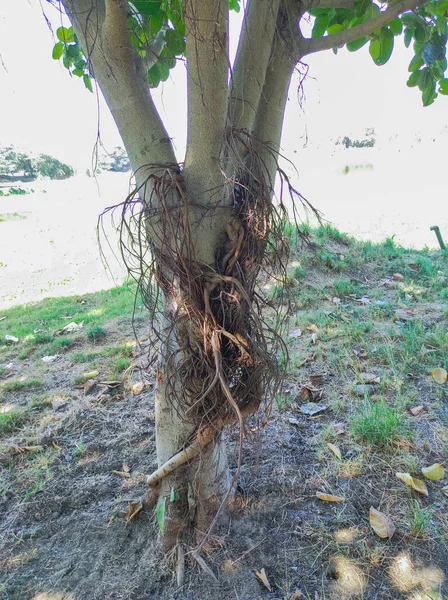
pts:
[54, 250]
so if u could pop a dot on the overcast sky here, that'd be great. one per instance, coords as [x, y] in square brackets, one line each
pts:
[44, 109]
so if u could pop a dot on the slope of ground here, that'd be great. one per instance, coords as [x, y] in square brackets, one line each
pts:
[368, 342]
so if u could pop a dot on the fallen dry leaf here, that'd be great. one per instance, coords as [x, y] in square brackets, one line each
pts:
[381, 524]
[70, 328]
[11, 338]
[312, 328]
[368, 378]
[329, 497]
[49, 359]
[434, 472]
[311, 408]
[297, 595]
[91, 375]
[295, 333]
[336, 451]
[126, 468]
[339, 428]
[403, 315]
[336, 300]
[137, 388]
[313, 339]
[121, 473]
[133, 509]
[416, 484]
[261, 576]
[398, 277]
[439, 375]
[55, 446]
[416, 410]
[32, 449]
[310, 394]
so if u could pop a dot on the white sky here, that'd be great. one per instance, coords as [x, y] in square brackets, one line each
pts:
[43, 109]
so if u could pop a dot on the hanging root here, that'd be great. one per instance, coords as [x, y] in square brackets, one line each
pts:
[227, 363]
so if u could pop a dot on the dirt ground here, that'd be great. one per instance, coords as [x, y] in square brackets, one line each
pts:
[64, 532]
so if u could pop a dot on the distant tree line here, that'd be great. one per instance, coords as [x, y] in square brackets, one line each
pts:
[16, 166]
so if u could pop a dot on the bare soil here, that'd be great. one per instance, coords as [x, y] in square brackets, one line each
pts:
[64, 535]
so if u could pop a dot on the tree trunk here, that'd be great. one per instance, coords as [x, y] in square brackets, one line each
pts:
[194, 492]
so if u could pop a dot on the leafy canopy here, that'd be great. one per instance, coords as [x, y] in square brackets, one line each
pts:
[157, 32]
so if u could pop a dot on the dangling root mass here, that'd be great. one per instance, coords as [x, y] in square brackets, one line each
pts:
[227, 365]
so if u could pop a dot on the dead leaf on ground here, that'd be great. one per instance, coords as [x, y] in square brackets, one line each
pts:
[381, 524]
[70, 328]
[56, 447]
[91, 374]
[336, 300]
[121, 474]
[11, 338]
[133, 509]
[336, 451]
[403, 315]
[137, 388]
[310, 394]
[339, 428]
[311, 408]
[368, 378]
[295, 333]
[329, 497]
[416, 410]
[439, 375]
[416, 484]
[261, 576]
[2, 318]
[297, 595]
[312, 328]
[313, 339]
[434, 472]
[32, 449]
[398, 277]
[49, 359]
[360, 353]
[126, 468]
[362, 389]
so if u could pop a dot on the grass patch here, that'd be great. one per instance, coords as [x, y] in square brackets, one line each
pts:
[19, 385]
[122, 363]
[380, 425]
[96, 334]
[11, 421]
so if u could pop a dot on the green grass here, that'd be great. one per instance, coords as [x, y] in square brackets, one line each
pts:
[121, 364]
[18, 385]
[96, 334]
[93, 309]
[11, 421]
[380, 425]
[419, 519]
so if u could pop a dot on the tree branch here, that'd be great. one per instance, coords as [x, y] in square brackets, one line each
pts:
[101, 26]
[311, 46]
[207, 66]
[251, 61]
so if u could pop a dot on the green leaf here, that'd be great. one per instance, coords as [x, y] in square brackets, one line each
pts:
[78, 72]
[413, 79]
[163, 70]
[156, 22]
[65, 34]
[375, 48]
[441, 8]
[408, 35]
[416, 63]
[72, 50]
[420, 34]
[396, 26]
[174, 495]
[175, 42]
[336, 28]
[387, 46]
[58, 50]
[442, 26]
[443, 87]
[87, 82]
[320, 26]
[148, 7]
[409, 18]
[234, 5]
[160, 515]
[66, 61]
[425, 80]
[357, 44]
[371, 12]
[153, 76]
[429, 95]
[361, 7]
